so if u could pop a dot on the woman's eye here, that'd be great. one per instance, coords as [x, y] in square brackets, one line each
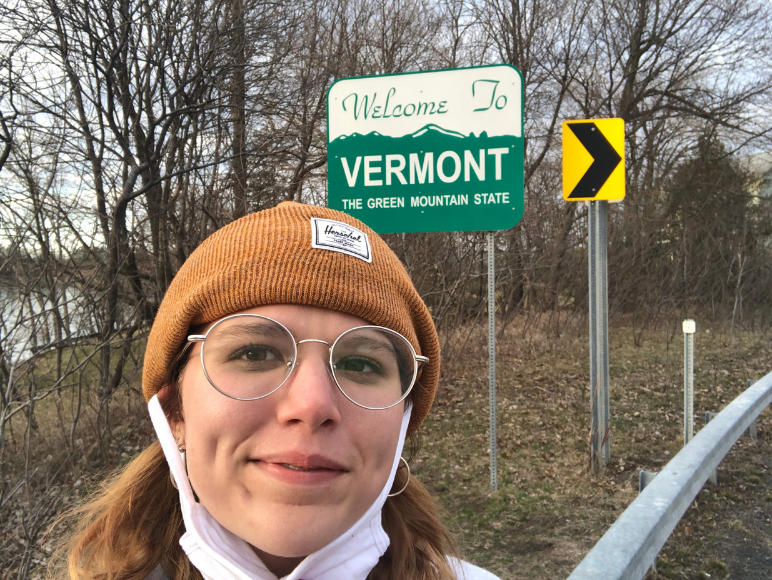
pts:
[257, 354]
[357, 365]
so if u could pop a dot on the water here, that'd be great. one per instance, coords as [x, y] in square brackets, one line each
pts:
[28, 321]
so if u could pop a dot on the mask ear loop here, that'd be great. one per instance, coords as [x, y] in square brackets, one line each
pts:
[175, 459]
[404, 487]
[184, 464]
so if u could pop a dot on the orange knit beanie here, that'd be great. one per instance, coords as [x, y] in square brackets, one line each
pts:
[294, 254]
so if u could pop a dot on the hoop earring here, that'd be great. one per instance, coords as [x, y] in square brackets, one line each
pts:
[404, 487]
[184, 464]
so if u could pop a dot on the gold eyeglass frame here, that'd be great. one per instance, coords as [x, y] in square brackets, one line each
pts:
[418, 360]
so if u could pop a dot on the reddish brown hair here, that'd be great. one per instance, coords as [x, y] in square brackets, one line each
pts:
[134, 523]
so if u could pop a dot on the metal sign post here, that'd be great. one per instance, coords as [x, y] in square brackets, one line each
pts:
[492, 360]
[600, 448]
[594, 171]
[689, 328]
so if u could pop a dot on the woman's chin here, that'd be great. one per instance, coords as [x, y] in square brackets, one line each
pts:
[292, 531]
[283, 545]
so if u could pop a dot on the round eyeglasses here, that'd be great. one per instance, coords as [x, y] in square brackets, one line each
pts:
[249, 356]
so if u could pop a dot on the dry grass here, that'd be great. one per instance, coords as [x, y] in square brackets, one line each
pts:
[549, 511]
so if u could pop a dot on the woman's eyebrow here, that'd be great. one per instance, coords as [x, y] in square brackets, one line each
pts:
[374, 344]
[254, 329]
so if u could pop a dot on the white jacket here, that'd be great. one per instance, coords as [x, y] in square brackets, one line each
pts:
[220, 555]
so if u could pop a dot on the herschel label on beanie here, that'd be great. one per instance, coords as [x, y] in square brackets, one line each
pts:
[340, 237]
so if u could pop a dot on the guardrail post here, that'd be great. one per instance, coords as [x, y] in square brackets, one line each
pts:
[689, 328]
[645, 478]
[713, 476]
[752, 430]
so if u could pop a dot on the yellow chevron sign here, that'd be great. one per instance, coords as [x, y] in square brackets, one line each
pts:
[594, 160]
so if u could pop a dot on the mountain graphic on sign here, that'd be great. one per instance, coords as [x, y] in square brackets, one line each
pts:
[353, 135]
[430, 137]
[425, 131]
[433, 127]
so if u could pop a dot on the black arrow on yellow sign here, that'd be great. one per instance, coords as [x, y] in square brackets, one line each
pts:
[604, 156]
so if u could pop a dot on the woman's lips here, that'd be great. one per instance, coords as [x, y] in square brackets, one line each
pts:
[300, 469]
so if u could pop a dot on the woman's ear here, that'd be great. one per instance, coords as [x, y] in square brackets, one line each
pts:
[178, 430]
[163, 396]
[170, 404]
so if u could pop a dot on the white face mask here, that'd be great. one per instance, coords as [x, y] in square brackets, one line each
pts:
[220, 555]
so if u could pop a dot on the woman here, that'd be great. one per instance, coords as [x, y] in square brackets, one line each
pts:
[288, 362]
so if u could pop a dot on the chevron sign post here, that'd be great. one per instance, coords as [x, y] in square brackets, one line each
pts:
[594, 171]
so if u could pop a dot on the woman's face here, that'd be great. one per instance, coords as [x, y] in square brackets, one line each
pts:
[291, 472]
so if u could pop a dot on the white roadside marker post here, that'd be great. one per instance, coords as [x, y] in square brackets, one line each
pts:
[689, 328]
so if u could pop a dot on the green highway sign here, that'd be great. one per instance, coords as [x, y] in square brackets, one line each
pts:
[429, 151]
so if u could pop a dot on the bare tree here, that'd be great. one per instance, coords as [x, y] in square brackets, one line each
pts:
[131, 131]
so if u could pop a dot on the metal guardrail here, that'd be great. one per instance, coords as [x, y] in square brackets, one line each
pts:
[630, 546]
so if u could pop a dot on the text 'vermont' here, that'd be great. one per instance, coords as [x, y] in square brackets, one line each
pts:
[396, 169]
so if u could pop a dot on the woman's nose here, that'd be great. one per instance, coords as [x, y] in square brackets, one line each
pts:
[310, 396]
